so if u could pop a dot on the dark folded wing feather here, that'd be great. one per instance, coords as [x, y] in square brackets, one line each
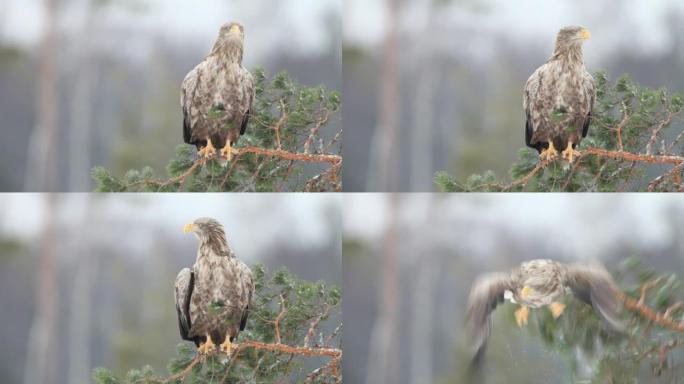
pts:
[182, 293]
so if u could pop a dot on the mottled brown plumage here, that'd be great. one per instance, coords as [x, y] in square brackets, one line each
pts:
[559, 97]
[213, 298]
[216, 96]
[535, 284]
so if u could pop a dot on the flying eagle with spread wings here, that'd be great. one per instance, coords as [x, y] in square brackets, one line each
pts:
[559, 97]
[217, 95]
[535, 284]
[213, 298]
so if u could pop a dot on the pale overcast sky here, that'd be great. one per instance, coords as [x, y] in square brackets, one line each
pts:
[637, 25]
[268, 24]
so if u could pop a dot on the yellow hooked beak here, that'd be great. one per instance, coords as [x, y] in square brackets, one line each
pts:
[525, 291]
[585, 34]
[188, 227]
[234, 29]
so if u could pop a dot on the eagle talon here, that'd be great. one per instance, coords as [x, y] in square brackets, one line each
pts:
[227, 151]
[207, 348]
[549, 153]
[521, 316]
[226, 347]
[208, 150]
[569, 153]
[556, 309]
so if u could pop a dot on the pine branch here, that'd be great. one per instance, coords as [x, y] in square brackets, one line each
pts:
[662, 318]
[334, 353]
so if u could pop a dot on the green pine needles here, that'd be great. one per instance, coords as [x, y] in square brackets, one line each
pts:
[632, 145]
[293, 334]
[292, 143]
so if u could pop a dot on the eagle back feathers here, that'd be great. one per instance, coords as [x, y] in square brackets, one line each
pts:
[216, 98]
[558, 99]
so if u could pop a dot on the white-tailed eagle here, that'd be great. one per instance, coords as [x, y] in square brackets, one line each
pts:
[559, 97]
[213, 297]
[539, 283]
[217, 95]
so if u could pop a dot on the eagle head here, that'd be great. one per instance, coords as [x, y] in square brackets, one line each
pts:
[232, 31]
[208, 230]
[573, 35]
[230, 41]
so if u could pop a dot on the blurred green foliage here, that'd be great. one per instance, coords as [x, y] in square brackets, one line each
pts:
[279, 101]
[646, 109]
[304, 301]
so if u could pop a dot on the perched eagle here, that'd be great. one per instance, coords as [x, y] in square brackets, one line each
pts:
[216, 96]
[213, 298]
[559, 97]
[539, 283]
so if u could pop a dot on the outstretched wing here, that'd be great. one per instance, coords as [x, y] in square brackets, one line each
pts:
[183, 288]
[593, 285]
[486, 293]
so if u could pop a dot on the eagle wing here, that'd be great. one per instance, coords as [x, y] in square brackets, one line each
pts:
[191, 114]
[530, 93]
[248, 87]
[485, 294]
[248, 281]
[590, 89]
[183, 288]
[593, 285]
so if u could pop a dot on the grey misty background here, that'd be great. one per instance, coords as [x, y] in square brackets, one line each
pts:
[117, 74]
[434, 246]
[460, 69]
[115, 261]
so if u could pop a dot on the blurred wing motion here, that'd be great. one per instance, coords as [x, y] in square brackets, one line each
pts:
[487, 292]
[216, 96]
[594, 286]
[537, 284]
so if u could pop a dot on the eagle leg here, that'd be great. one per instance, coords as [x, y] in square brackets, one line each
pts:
[208, 150]
[226, 347]
[569, 153]
[556, 309]
[207, 347]
[549, 153]
[227, 151]
[521, 315]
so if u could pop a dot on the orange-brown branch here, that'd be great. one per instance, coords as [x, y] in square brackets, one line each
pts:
[628, 156]
[334, 353]
[334, 160]
[649, 313]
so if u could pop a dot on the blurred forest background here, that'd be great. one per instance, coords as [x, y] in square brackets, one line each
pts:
[97, 82]
[437, 84]
[87, 280]
[409, 262]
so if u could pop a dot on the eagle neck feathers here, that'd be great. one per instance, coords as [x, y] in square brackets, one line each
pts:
[214, 242]
[568, 56]
[227, 51]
